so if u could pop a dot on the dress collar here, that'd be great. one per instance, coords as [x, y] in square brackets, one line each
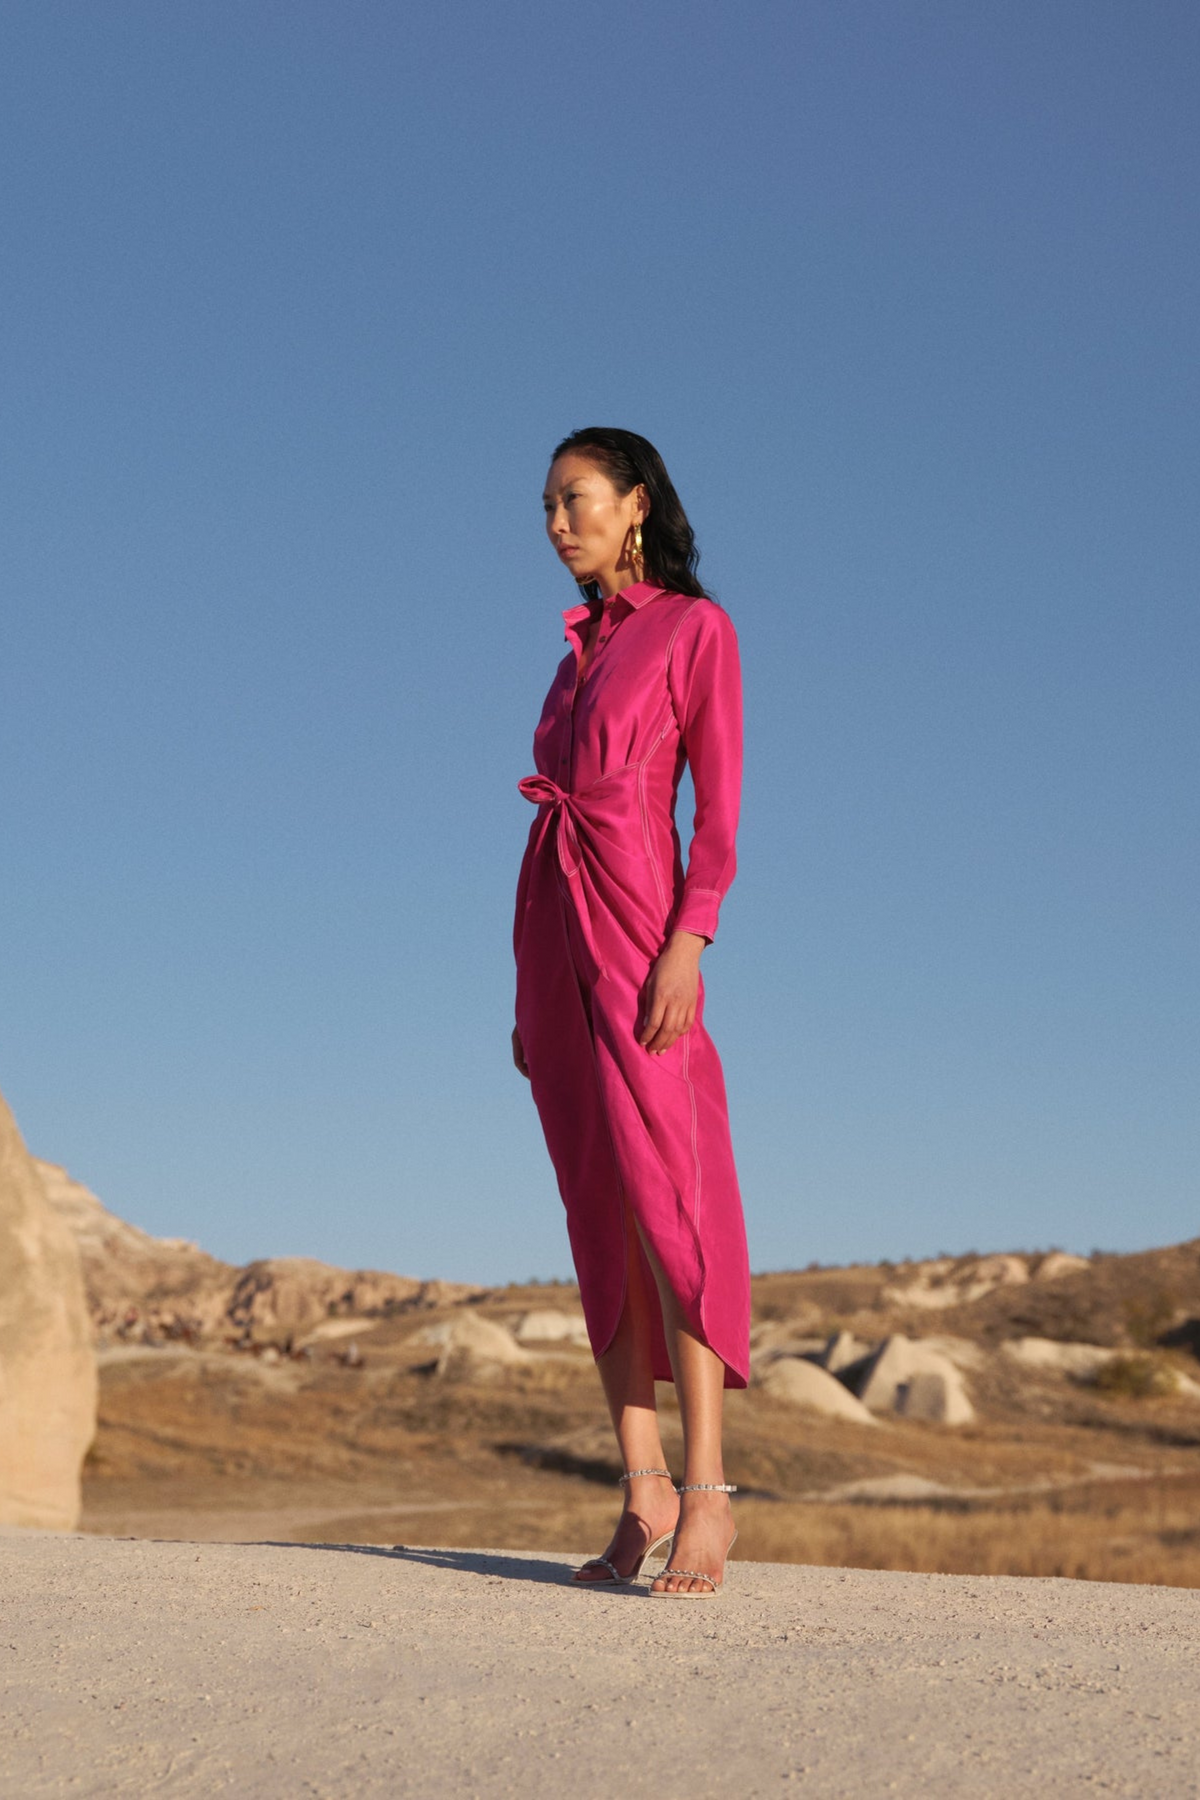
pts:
[635, 595]
[626, 599]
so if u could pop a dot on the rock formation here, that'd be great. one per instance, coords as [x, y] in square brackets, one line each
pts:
[956, 1281]
[47, 1368]
[842, 1351]
[550, 1325]
[917, 1382]
[803, 1383]
[145, 1289]
[285, 1295]
[472, 1346]
[1080, 1360]
[139, 1286]
[1057, 1263]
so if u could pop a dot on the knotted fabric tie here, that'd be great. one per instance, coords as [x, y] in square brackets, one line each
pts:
[564, 812]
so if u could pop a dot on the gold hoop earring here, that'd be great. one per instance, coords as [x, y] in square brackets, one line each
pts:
[638, 558]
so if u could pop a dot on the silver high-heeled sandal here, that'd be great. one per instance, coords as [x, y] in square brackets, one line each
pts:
[614, 1578]
[714, 1586]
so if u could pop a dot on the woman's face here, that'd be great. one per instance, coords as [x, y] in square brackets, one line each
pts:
[590, 523]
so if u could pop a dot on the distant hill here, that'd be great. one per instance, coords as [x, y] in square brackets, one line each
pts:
[143, 1289]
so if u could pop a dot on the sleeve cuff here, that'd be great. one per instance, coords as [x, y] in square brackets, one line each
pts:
[698, 913]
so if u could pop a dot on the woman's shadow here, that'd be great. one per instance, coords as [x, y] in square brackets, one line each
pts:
[494, 1564]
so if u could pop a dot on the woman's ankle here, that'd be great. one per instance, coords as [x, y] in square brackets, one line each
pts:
[711, 1499]
[651, 1498]
[652, 1473]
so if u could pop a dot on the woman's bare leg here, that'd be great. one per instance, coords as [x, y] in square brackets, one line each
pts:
[705, 1528]
[626, 1372]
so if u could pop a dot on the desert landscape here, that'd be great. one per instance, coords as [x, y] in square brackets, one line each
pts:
[998, 1414]
[273, 1578]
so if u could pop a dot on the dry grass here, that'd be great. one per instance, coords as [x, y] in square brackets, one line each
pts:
[1098, 1483]
[1142, 1531]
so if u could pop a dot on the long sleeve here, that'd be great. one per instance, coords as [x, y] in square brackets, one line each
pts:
[705, 678]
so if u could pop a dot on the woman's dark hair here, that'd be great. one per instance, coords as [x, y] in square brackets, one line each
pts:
[668, 543]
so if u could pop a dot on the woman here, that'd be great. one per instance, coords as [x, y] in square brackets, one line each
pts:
[609, 1030]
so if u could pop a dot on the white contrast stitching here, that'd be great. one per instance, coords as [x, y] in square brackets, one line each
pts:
[695, 1136]
[646, 844]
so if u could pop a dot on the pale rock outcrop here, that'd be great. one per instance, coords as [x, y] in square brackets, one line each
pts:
[550, 1325]
[917, 1382]
[933, 1286]
[935, 1396]
[284, 1295]
[804, 1383]
[1083, 1362]
[1045, 1354]
[842, 1351]
[1057, 1263]
[47, 1368]
[964, 1353]
[473, 1346]
[992, 1272]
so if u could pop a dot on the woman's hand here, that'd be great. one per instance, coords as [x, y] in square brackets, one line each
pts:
[671, 992]
[519, 1054]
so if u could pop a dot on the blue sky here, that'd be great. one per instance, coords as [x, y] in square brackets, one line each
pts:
[298, 297]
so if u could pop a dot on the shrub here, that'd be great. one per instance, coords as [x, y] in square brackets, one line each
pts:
[1135, 1378]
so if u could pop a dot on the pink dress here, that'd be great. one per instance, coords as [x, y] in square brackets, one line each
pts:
[601, 888]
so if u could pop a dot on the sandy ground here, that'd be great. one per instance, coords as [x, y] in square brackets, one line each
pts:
[147, 1668]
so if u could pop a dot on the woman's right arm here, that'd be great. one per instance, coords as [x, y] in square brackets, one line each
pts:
[706, 689]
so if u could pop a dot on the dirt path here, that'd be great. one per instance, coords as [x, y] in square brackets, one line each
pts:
[141, 1668]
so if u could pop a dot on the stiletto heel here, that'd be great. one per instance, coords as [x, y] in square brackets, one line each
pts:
[615, 1579]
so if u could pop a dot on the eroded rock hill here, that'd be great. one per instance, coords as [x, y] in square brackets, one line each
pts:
[143, 1289]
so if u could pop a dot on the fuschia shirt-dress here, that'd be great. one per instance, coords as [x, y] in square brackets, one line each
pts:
[601, 888]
